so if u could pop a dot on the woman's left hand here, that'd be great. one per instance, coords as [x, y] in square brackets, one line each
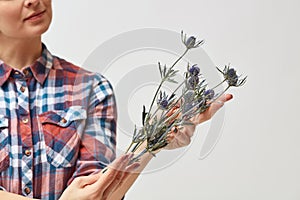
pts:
[182, 137]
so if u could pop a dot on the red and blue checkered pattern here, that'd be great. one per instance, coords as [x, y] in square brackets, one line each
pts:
[57, 122]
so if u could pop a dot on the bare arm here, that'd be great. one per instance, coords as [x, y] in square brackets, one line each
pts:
[129, 178]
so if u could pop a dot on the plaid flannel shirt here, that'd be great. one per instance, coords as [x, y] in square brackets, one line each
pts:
[57, 122]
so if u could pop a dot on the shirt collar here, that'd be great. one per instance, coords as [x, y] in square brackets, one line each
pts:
[40, 68]
[5, 72]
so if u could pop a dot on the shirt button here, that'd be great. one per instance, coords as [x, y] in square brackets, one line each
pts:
[22, 89]
[27, 190]
[27, 152]
[25, 120]
[17, 72]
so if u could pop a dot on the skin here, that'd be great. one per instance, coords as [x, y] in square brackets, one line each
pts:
[20, 39]
[21, 45]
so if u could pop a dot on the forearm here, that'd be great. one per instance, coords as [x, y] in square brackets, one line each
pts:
[11, 196]
[131, 178]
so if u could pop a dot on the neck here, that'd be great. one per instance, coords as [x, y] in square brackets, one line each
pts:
[19, 53]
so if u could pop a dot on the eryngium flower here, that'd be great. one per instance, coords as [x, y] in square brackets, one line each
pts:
[209, 94]
[193, 81]
[164, 101]
[190, 42]
[194, 70]
[231, 76]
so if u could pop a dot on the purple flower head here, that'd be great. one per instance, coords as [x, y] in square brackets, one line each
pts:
[190, 42]
[231, 73]
[232, 77]
[164, 103]
[194, 70]
[193, 81]
[209, 94]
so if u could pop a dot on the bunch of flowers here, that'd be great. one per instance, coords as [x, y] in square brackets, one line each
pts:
[173, 111]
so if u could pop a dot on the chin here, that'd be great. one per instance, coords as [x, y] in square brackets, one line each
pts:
[37, 30]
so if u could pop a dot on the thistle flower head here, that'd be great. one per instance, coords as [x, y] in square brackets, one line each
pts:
[164, 101]
[209, 94]
[193, 81]
[194, 70]
[231, 77]
[190, 42]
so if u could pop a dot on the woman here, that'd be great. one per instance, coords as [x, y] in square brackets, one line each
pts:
[58, 121]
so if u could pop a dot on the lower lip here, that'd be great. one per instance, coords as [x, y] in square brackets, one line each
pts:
[36, 17]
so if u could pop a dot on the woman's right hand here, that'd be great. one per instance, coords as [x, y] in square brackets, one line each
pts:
[100, 186]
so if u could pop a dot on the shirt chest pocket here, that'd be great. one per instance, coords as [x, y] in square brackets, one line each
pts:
[4, 156]
[62, 135]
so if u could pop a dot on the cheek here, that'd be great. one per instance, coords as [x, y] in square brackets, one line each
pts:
[9, 18]
[48, 5]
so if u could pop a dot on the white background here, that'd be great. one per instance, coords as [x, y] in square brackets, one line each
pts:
[258, 156]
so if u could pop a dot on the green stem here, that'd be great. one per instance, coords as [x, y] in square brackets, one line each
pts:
[179, 58]
[219, 84]
[129, 147]
[173, 116]
[138, 156]
[219, 95]
[179, 86]
[157, 90]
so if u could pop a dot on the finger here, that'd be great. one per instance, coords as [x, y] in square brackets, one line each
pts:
[170, 137]
[228, 97]
[218, 103]
[212, 109]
